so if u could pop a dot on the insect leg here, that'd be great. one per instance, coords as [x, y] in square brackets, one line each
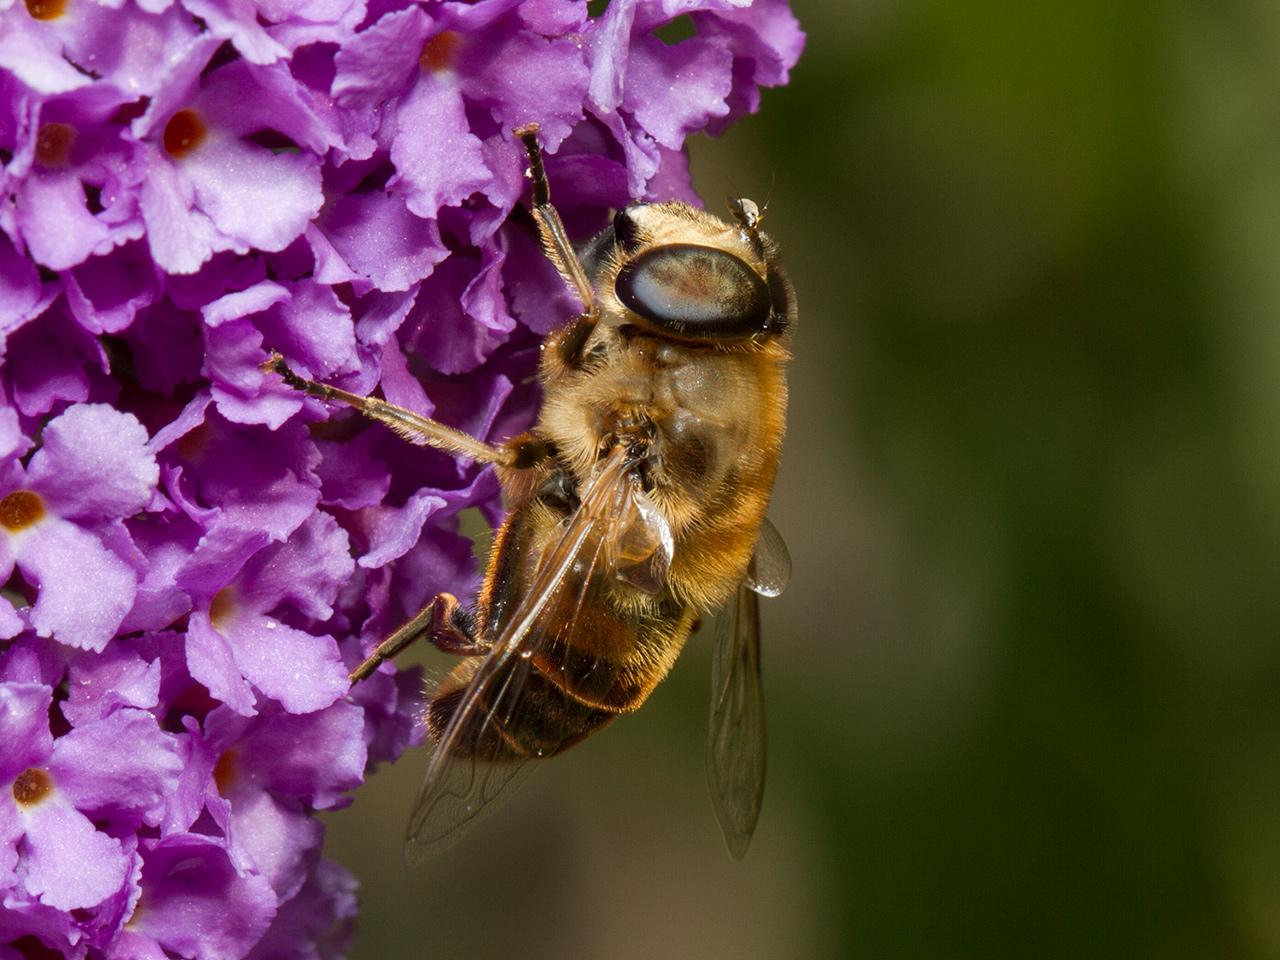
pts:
[443, 621]
[556, 245]
[404, 422]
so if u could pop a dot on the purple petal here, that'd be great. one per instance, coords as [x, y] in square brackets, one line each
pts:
[672, 181]
[166, 345]
[85, 589]
[260, 480]
[312, 23]
[350, 476]
[399, 385]
[52, 361]
[223, 273]
[11, 830]
[303, 671]
[35, 55]
[672, 90]
[314, 757]
[392, 704]
[244, 99]
[187, 801]
[237, 22]
[274, 837]
[99, 683]
[59, 230]
[439, 162]
[305, 571]
[10, 623]
[94, 464]
[19, 286]
[378, 62]
[197, 904]
[378, 238]
[256, 197]
[106, 293]
[392, 531]
[522, 76]
[316, 924]
[122, 764]
[233, 358]
[107, 920]
[181, 238]
[766, 42]
[244, 303]
[212, 662]
[25, 740]
[166, 544]
[120, 43]
[608, 43]
[134, 946]
[69, 864]
[536, 294]
[457, 319]
[553, 17]
[218, 559]
[32, 660]
[13, 443]
[314, 327]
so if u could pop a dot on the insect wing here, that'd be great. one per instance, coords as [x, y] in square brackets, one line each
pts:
[736, 745]
[475, 759]
[771, 566]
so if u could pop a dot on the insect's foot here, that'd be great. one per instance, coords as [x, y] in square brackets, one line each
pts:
[276, 364]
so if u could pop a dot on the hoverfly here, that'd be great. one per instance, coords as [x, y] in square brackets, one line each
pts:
[636, 506]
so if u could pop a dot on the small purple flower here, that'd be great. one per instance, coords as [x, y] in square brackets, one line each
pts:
[193, 556]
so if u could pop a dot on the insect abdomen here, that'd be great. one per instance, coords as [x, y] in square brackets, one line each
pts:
[540, 720]
[598, 662]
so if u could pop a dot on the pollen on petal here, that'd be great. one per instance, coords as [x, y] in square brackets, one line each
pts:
[184, 132]
[46, 9]
[20, 509]
[438, 52]
[32, 786]
[53, 144]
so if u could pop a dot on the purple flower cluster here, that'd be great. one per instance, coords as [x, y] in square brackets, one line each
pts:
[192, 556]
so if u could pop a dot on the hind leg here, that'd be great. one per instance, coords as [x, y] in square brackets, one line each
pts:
[443, 621]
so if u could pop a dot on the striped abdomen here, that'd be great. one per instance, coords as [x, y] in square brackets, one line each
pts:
[588, 659]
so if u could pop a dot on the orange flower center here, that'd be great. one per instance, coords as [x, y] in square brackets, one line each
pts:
[32, 786]
[53, 144]
[438, 52]
[46, 9]
[224, 771]
[20, 509]
[222, 606]
[184, 132]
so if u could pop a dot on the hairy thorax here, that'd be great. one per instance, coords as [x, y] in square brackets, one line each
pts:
[707, 426]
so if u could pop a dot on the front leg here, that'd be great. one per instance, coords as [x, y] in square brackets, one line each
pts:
[555, 244]
[443, 621]
[404, 422]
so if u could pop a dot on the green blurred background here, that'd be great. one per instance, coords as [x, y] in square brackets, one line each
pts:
[1024, 690]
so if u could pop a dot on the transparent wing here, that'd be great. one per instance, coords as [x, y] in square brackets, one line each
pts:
[476, 757]
[771, 566]
[736, 746]
[459, 790]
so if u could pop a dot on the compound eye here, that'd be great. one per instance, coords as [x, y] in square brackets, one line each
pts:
[695, 293]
